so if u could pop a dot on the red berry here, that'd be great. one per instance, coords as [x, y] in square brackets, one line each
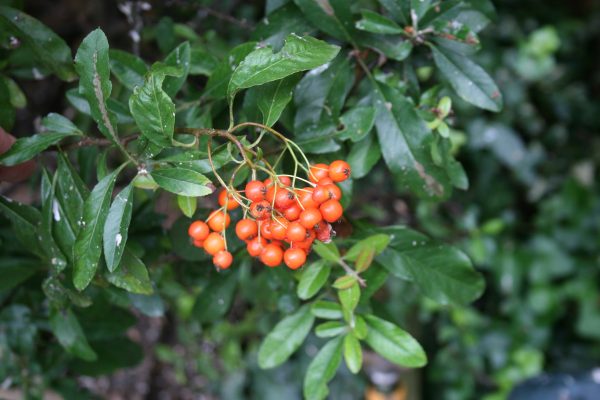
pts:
[198, 230]
[339, 171]
[246, 229]
[255, 190]
[260, 209]
[218, 220]
[317, 172]
[255, 246]
[331, 210]
[226, 197]
[271, 255]
[223, 259]
[296, 232]
[310, 217]
[294, 258]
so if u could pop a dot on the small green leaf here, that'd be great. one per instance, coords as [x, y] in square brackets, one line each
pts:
[128, 68]
[297, 54]
[71, 192]
[330, 329]
[468, 79]
[322, 369]
[285, 338]
[273, 97]
[87, 248]
[47, 47]
[352, 353]
[50, 215]
[360, 328]
[182, 181]
[349, 299]
[116, 227]
[344, 282]
[364, 259]
[313, 278]
[326, 310]
[152, 108]
[363, 156]
[393, 343]
[357, 122]
[92, 65]
[180, 58]
[132, 275]
[187, 205]
[16, 95]
[25, 221]
[217, 84]
[26, 148]
[327, 251]
[377, 23]
[376, 242]
[67, 330]
[57, 123]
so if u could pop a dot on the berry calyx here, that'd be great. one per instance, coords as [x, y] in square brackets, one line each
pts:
[260, 209]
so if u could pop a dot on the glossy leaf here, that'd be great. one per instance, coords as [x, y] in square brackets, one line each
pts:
[187, 205]
[297, 54]
[132, 275]
[327, 251]
[116, 227]
[326, 310]
[377, 23]
[330, 16]
[25, 221]
[376, 242]
[313, 278]
[28, 147]
[48, 48]
[57, 123]
[363, 156]
[393, 343]
[285, 338]
[66, 328]
[322, 369]
[330, 329]
[50, 215]
[357, 123]
[272, 98]
[217, 84]
[92, 65]
[352, 353]
[468, 79]
[128, 68]
[182, 181]
[179, 58]
[87, 247]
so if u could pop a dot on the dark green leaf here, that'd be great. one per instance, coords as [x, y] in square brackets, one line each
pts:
[216, 297]
[180, 58]
[87, 248]
[132, 275]
[393, 343]
[297, 54]
[71, 192]
[128, 68]
[274, 28]
[50, 216]
[48, 48]
[400, 10]
[67, 330]
[92, 65]
[377, 23]
[28, 147]
[313, 278]
[363, 156]
[285, 338]
[182, 181]
[322, 369]
[357, 123]
[468, 79]
[57, 123]
[116, 227]
[15, 271]
[272, 98]
[333, 17]
[25, 221]
[217, 84]
[352, 353]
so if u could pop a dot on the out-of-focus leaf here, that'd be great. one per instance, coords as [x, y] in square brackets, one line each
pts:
[67, 330]
[322, 369]
[313, 278]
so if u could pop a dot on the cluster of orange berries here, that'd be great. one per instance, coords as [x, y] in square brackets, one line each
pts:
[281, 222]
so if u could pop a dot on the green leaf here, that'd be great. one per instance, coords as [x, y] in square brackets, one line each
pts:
[297, 54]
[132, 275]
[357, 122]
[152, 108]
[322, 369]
[352, 353]
[25, 221]
[57, 123]
[360, 329]
[344, 282]
[216, 297]
[16, 95]
[15, 271]
[349, 299]
[272, 98]
[404, 140]
[393, 343]
[87, 247]
[180, 58]
[333, 17]
[330, 329]
[363, 156]
[92, 65]
[418, 9]
[116, 227]
[50, 215]
[285, 338]
[327, 251]
[26, 148]
[468, 79]
[377, 23]
[277, 25]
[187, 205]
[313, 278]
[67, 330]
[128, 68]
[400, 10]
[182, 181]
[47, 47]
[217, 84]
[71, 193]
[376, 242]
[326, 310]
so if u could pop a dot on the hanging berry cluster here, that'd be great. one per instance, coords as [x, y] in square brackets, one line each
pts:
[281, 221]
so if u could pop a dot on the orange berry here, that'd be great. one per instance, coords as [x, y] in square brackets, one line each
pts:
[271, 255]
[292, 212]
[223, 259]
[255, 190]
[283, 198]
[198, 243]
[265, 229]
[279, 227]
[260, 209]
[296, 232]
[246, 229]
[310, 217]
[284, 180]
[255, 246]
[305, 198]
[214, 243]
[331, 210]
[339, 171]
[226, 197]
[294, 258]
[317, 172]
[198, 230]
[218, 220]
